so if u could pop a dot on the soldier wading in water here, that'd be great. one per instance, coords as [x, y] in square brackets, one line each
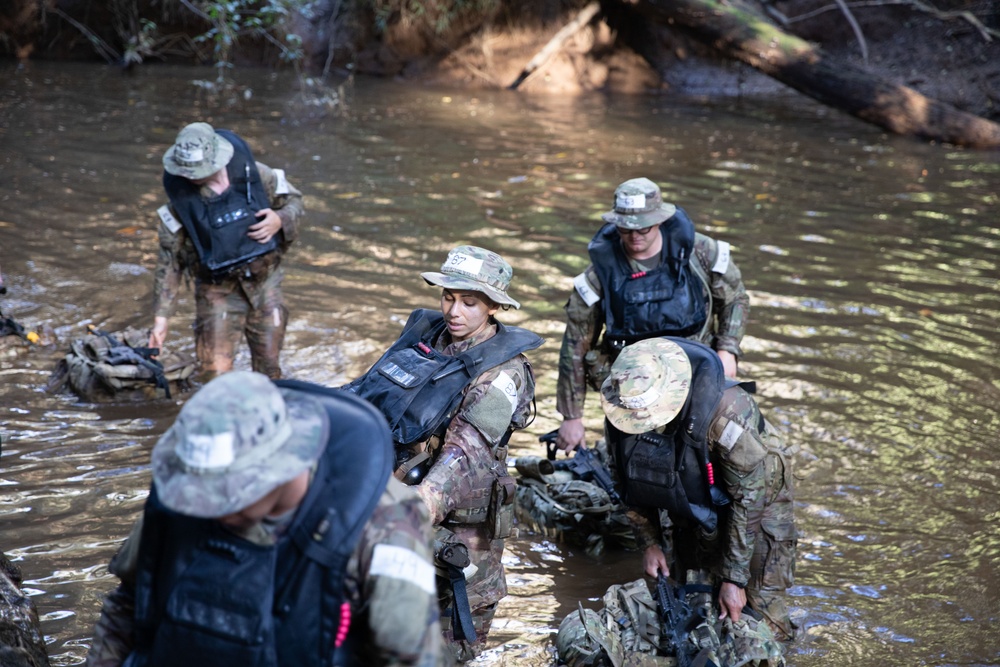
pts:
[453, 387]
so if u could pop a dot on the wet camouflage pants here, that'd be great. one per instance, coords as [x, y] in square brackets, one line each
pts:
[225, 312]
[462, 650]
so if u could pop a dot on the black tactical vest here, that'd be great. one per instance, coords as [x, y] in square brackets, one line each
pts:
[417, 388]
[665, 301]
[668, 471]
[205, 597]
[218, 226]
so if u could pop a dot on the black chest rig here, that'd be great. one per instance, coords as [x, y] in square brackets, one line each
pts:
[669, 470]
[206, 597]
[665, 301]
[417, 388]
[218, 226]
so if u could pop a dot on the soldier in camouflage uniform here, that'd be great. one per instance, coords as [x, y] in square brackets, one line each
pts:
[653, 275]
[215, 184]
[267, 540]
[467, 487]
[690, 442]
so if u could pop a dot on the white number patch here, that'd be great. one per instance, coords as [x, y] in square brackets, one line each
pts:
[466, 263]
[730, 435]
[505, 383]
[586, 292]
[400, 563]
[168, 219]
[722, 259]
[281, 187]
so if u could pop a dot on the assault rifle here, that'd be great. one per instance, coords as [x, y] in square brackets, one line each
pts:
[678, 619]
[8, 327]
[584, 464]
[121, 353]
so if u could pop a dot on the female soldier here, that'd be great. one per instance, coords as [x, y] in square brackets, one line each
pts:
[453, 388]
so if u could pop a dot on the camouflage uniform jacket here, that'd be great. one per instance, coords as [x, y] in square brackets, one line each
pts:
[178, 257]
[468, 455]
[388, 601]
[755, 468]
[730, 310]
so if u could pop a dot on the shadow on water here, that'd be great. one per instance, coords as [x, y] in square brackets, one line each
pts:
[871, 262]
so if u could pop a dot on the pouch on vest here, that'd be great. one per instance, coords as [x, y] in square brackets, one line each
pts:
[500, 514]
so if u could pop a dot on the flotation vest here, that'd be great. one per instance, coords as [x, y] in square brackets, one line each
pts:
[665, 301]
[205, 597]
[218, 226]
[668, 470]
[417, 388]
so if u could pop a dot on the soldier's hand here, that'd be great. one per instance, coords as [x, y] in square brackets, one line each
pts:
[732, 599]
[728, 363]
[654, 562]
[571, 435]
[158, 334]
[269, 224]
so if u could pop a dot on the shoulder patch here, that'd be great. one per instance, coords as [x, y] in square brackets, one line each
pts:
[506, 384]
[586, 292]
[722, 257]
[281, 183]
[730, 435]
[168, 219]
[401, 563]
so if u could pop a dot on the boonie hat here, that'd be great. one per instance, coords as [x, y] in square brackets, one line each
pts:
[475, 269]
[235, 441]
[198, 152]
[648, 385]
[638, 204]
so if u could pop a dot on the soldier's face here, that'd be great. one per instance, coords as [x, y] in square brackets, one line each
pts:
[280, 500]
[639, 242]
[466, 313]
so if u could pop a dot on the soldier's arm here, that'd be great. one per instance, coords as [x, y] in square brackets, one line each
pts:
[396, 573]
[286, 201]
[731, 304]
[582, 322]
[735, 438]
[467, 453]
[167, 277]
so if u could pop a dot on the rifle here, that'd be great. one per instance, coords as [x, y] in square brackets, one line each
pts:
[675, 616]
[121, 353]
[9, 327]
[584, 464]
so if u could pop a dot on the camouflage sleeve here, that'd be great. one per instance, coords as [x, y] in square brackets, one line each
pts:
[286, 201]
[645, 523]
[167, 278]
[735, 440]
[394, 566]
[731, 304]
[582, 323]
[112, 640]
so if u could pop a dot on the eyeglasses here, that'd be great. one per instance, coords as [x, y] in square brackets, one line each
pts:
[622, 231]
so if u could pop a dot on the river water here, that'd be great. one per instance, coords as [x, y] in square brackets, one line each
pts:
[871, 262]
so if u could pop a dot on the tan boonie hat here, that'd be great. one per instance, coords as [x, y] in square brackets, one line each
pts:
[476, 270]
[639, 204]
[648, 385]
[235, 441]
[198, 152]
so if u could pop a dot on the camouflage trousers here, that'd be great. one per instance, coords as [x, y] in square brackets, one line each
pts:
[228, 310]
[462, 650]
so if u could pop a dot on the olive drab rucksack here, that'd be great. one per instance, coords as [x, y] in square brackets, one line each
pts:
[119, 365]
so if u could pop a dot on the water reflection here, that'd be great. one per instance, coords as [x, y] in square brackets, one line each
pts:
[871, 263]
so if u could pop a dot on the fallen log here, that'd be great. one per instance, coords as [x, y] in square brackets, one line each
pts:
[746, 36]
[582, 18]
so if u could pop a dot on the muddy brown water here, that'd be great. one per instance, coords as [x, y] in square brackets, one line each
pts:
[871, 262]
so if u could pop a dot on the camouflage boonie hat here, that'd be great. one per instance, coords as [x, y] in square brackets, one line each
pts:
[476, 270]
[235, 441]
[638, 204]
[198, 152]
[648, 385]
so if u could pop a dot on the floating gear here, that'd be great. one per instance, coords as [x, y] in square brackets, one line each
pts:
[106, 365]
